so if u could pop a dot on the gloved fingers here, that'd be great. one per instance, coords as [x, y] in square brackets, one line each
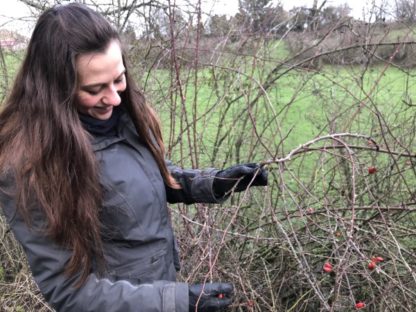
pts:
[252, 169]
[261, 177]
[216, 304]
[211, 289]
[216, 289]
[226, 288]
[226, 179]
[210, 296]
[250, 165]
[237, 178]
[238, 171]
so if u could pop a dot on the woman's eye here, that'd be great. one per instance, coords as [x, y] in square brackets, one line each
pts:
[93, 92]
[119, 80]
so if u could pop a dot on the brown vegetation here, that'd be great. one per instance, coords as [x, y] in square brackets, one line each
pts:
[321, 110]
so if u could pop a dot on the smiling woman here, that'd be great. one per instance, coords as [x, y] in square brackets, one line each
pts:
[101, 77]
[84, 184]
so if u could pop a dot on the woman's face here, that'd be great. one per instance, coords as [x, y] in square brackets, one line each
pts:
[101, 79]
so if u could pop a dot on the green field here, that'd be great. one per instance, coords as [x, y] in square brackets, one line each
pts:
[299, 106]
[224, 106]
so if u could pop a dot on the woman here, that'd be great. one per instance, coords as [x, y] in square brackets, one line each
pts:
[84, 183]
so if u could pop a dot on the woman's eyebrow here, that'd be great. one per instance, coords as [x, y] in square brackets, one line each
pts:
[94, 85]
[122, 73]
[99, 84]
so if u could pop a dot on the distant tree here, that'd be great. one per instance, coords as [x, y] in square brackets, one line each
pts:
[379, 11]
[299, 18]
[303, 18]
[252, 12]
[260, 16]
[129, 34]
[218, 25]
[158, 23]
[331, 14]
[274, 19]
[405, 10]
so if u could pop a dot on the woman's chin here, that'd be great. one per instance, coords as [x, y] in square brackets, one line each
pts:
[102, 114]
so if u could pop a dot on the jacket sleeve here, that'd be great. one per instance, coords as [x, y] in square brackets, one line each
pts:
[196, 185]
[47, 262]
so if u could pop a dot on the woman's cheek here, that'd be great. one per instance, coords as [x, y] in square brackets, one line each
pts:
[87, 101]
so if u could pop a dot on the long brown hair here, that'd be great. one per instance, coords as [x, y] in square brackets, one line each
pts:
[43, 142]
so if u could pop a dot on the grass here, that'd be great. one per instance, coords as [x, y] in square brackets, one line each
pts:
[8, 72]
[304, 103]
[299, 106]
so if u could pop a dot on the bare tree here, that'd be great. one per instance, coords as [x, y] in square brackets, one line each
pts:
[405, 10]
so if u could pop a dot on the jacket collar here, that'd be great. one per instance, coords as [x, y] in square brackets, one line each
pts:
[125, 130]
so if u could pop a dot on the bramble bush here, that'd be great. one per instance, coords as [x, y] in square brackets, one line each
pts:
[335, 228]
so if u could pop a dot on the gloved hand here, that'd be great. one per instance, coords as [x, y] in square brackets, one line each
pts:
[238, 178]
[209, 297]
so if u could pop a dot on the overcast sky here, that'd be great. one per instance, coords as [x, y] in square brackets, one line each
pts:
[12, 9]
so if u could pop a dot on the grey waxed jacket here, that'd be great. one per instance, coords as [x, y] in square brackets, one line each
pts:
[139, 245]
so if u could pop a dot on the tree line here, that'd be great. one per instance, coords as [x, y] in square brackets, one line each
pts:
[266, 17]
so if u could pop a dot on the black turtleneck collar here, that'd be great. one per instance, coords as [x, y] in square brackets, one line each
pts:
[102, 127]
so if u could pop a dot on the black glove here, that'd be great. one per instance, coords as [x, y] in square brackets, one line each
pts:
[209, 297]
[238, 177]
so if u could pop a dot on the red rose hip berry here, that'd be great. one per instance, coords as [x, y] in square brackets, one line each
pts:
[377, 259]
[327, 267]
[371, 265]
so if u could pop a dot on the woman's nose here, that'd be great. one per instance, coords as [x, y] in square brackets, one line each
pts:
[112, 97]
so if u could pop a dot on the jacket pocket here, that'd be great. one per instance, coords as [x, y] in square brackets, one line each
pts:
[144, 270]
[116, 216]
